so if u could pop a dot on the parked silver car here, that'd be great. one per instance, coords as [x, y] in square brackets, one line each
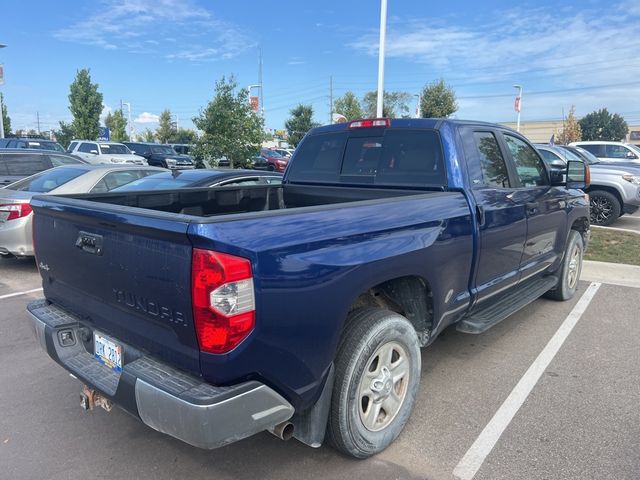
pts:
[614, 188]
[15, 209]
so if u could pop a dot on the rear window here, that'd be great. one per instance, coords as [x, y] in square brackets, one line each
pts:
[46, 181]
[25, 164]
[395, 157]
[158, 181]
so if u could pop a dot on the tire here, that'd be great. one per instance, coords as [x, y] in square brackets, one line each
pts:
[604, 206]
[271, 168]
[570, 270]
[376, 344]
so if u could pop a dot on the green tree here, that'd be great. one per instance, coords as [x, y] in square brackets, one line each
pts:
[6, 120]
[64, 134]
[230, 128]
[349, 106]
[165, 128]
[437, 100]
[85, 103]
[601, 125]
[571, 131]
[117, 125]
[394, 104]
[148, 135]
[183, 135]
[299, 123]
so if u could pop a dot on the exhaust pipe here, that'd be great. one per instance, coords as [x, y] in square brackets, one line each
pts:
[284, 430]
[89, 399]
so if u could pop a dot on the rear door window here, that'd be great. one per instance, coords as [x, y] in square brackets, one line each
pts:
[26, 164]
[71, 146]
[492, 164]
[119, 178]
[598, 150]
[59, 160]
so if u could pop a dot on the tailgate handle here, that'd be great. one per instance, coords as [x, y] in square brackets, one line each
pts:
[89, 242]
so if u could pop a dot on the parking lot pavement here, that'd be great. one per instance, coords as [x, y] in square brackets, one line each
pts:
[629, 222]
[18, 275]
[579, 421]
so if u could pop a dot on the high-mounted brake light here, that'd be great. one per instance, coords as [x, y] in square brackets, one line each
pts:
[223, 300]
[16, 210]
[370, 123]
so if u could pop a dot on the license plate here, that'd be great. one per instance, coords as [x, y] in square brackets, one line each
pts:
[108, 352]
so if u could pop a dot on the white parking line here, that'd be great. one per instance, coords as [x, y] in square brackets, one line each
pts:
[17, 294]
[475, 456]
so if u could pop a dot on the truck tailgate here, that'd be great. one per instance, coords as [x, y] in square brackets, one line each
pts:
[128, 274]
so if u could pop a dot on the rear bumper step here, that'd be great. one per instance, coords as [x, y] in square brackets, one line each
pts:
[166, 399]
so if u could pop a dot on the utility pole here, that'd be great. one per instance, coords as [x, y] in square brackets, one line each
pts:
[330, 99]
[2, 45]
[130, 124]
[38, 120]
[383, 35]
[518, 105]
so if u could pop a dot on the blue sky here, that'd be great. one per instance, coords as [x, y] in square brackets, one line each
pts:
[160, 54]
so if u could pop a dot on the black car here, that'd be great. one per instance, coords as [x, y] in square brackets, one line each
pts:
[159, 155]
[18, 163]
[202, 178]
[31, 143]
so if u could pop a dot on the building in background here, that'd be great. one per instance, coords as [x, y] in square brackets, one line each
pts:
[541, 131]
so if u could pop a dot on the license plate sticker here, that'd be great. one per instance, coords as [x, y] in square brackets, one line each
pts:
[107, 352]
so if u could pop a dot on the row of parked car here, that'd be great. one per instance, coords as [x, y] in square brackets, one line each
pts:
[28, 172]
[615, 175]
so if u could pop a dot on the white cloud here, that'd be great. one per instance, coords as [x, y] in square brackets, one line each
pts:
[146, 117]
[163, 27]
[106, 110]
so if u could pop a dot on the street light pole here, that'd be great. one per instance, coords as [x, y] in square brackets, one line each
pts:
[417, 95]
[518, 105]
[1, 106]
[130, 124]
[383, 35]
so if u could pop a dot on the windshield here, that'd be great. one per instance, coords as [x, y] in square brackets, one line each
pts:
[271, 153]
[163, 150]
[48, 180]
[44, 145]
[114, 149]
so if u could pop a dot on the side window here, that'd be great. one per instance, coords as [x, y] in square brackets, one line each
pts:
[618, 151]
[58, 160]
[26, 164]
[71, 146]
[494, 169]
[529, 166]
[237, 182]
[548, 156]
[117, 179]
[87, 147]
[597, 150]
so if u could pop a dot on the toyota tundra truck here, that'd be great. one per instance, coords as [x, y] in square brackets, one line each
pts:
[212, 314]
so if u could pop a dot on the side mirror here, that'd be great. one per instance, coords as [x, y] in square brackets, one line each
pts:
[631, 155]
[578, 175]
[95, 152]
[558, 164]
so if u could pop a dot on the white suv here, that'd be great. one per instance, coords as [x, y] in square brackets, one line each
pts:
[611, 151]
[104, 152]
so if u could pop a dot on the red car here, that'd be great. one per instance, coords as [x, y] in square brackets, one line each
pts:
[276, 161]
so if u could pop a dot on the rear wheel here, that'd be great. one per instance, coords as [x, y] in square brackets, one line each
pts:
[271, 168]
[377, 379]
[605, 207]
[570, 270]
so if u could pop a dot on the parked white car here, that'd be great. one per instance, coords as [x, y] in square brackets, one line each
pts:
[611, 151]
[104, 152]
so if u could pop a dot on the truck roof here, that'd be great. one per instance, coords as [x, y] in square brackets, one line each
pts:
[434, 123]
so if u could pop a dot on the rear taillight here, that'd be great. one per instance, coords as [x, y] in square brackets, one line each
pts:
[16, 210]
[223, 300]
[370, 123]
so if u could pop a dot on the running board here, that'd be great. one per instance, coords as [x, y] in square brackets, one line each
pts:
[482, 319]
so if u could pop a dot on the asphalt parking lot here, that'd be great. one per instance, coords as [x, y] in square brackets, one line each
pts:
[629, 222]
[581, 419]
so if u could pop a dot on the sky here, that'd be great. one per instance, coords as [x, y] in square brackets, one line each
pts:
[159, 54]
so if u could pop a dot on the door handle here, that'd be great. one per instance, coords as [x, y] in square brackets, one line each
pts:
[532, 208]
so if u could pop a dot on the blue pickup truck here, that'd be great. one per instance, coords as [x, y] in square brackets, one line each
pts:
[300, 309]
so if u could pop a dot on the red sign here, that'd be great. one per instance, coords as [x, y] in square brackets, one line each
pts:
[516, 105]
[255, 104]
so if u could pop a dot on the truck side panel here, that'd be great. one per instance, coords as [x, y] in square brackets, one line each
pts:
[310, 267]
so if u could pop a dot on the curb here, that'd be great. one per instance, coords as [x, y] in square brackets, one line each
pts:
[615, 229]
[611, 273]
